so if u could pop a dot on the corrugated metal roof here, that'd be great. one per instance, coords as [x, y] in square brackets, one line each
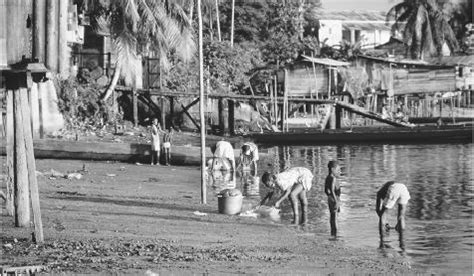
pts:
[323, 14]
[453, 60]
[366, 26]
[398, 61]
[325, 61]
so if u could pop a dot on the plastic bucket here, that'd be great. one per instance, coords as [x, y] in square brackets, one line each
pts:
[229, 205]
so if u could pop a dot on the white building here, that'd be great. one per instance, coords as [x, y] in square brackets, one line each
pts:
[368, 26]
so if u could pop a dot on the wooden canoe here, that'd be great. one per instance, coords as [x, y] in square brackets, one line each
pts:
[447, 134]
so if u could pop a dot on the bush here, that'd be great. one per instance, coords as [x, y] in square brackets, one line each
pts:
[81, 106]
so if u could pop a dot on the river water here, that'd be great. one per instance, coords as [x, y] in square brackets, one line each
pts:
[439, 233]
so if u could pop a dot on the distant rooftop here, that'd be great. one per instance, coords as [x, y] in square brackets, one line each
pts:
[365, 15]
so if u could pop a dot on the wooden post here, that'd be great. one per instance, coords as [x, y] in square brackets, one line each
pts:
[135, 107]
[375, 103]
[31, 166]
[63, 50]
[469, 99]
[22, 203]
[282, 116]
[329, 82]
[39, 32]
[220, 107]
[201, 107]
[440, 107]
[275, 98]
[171, 99]
[452, 109]
[52, 35]
[10, 139]
[218, 22]
[332, 118]
[163, 114]
[285, 102]
[232, 25]
[271, 103]
[231, 117]
[338, 116]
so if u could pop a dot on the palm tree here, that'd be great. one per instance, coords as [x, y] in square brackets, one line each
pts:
[424, 26]
[145, 26]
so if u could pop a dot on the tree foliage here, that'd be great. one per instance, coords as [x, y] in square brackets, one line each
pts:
[424, 26]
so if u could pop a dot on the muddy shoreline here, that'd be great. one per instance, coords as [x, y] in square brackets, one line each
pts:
[124, 218]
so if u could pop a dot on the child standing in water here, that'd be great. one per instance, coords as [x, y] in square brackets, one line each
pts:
[333, 191]
[155, 142]
[295, 183]
[167, 145]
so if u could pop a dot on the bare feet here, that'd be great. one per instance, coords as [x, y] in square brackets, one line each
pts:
[295, 222]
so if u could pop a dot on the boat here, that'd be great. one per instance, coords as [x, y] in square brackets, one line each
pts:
[390, 135]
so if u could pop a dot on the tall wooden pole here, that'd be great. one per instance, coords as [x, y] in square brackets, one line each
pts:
[163, 114]
[231, 118]
[22, 197]
[220, 107]
[63, 49]
[218, 22]
[232, 25]
[52, 35]
[134, 107]
[30, 161]
[10, 155]
[39, 31]
[201, 108]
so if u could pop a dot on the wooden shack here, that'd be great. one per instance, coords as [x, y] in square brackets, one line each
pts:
[464, 69]
[311, 77]
[402, 76]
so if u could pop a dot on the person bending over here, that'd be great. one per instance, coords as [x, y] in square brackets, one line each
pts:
[390, 194]
[293, 183]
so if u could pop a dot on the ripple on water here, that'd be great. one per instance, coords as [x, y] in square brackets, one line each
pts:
[439, 216]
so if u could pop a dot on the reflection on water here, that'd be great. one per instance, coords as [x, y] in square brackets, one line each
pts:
[439, 216]
[250, 183]
[221, 180]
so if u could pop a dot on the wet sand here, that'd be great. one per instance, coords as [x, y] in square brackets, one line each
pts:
[124, 218]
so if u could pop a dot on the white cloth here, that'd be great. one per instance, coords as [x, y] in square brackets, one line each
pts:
[166, 145]
[224, 150]
[155, 138]
[397, 193]
[297, 175]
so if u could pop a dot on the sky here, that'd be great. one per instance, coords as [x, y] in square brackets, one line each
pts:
[377, 5]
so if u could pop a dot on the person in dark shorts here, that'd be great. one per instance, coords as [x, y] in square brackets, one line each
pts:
[333, 191]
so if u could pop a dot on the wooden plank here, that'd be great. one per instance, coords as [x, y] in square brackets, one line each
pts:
[22, 195]
[189, 115]
[39, 31]
[63, 49]
[3, 33]
[31, 166]
[235, 97]
[361, 111]
[10, 151]
[52, 35]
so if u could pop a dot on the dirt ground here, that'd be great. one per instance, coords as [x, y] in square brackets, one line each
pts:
[125, 218]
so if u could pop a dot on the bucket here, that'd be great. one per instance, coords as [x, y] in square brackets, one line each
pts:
[229, 201]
